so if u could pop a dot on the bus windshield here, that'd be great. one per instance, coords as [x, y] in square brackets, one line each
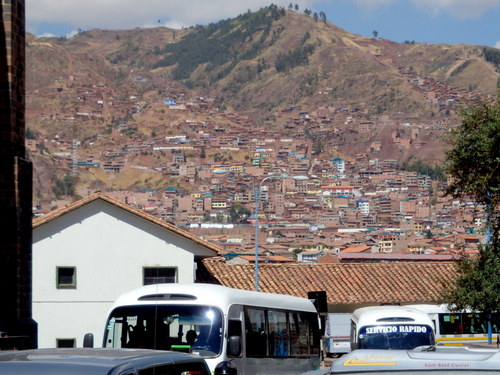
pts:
[397, 336]
[194, 329]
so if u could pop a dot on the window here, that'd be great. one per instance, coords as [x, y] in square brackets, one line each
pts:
[66, 277]
[299, 334]
[256, 333]
[159, 275]
[65, 343]
[278, 333]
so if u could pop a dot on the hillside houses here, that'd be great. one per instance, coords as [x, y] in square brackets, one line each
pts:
[353, 191]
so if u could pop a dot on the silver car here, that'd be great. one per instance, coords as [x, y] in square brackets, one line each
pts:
[442, 360]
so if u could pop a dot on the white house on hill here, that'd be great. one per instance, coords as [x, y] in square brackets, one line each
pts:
[86, 254]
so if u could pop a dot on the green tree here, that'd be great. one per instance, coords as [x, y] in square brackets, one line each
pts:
[477, 286]
[30, 134]
[375, 33]
[318, 146]
[238, 212]
[473, 163]
[64, 187]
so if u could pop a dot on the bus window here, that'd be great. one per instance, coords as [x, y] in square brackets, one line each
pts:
[256, 333]
[298, 334]
[165, 327]
[450, 324]
[401, 336]
[278, 334]
[314, 335]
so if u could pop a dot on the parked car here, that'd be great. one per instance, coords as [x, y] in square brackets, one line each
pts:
[87, 361]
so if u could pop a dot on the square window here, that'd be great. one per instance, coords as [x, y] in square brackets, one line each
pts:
[66, 277]
[65, 343]
[159, 275]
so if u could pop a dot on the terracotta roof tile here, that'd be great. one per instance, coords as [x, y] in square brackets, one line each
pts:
[392, 282]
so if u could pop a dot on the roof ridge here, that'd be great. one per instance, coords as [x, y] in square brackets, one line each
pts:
[52, 215]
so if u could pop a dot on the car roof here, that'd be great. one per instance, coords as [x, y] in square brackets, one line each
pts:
[87, 360]
[443, 358]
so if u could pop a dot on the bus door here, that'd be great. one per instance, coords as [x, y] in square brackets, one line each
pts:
[235, 336]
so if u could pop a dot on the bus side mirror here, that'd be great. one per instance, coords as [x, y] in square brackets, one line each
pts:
[88, 340]
[234, 346]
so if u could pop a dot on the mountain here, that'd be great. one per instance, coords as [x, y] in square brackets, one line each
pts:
[99, 90]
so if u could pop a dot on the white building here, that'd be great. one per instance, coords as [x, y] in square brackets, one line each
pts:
[364, 206]
[88, 253]
[338, 165]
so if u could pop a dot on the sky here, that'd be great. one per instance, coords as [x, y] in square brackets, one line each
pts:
[423, 21]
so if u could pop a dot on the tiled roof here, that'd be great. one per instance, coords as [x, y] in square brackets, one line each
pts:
[383, 257]
[267, 258]
[93, 197]
[356, 249]
[345, 283]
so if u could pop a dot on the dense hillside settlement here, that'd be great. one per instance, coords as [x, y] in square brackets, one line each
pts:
[329, 176]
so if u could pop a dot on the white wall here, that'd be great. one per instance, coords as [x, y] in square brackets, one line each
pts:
[109, 248]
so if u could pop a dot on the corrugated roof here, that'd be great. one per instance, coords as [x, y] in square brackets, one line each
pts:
[345, 283]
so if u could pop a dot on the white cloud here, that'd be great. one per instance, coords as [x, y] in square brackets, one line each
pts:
[497, 44]
[461, 9]
[127, 14]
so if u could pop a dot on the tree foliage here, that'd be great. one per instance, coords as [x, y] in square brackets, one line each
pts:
[473, 163]
[492, 55]
[64, 187]
[434, 172]
[238, 212]
[296, 57]
[221, 43]
[478, 285]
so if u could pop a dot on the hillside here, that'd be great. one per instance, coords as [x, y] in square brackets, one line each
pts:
[103, 90]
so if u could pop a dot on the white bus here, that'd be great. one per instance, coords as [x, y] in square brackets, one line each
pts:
[459, 328]
[260, 333]
[390, 327]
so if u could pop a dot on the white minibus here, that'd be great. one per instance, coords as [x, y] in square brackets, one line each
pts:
[390, 327]
[260, 333]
